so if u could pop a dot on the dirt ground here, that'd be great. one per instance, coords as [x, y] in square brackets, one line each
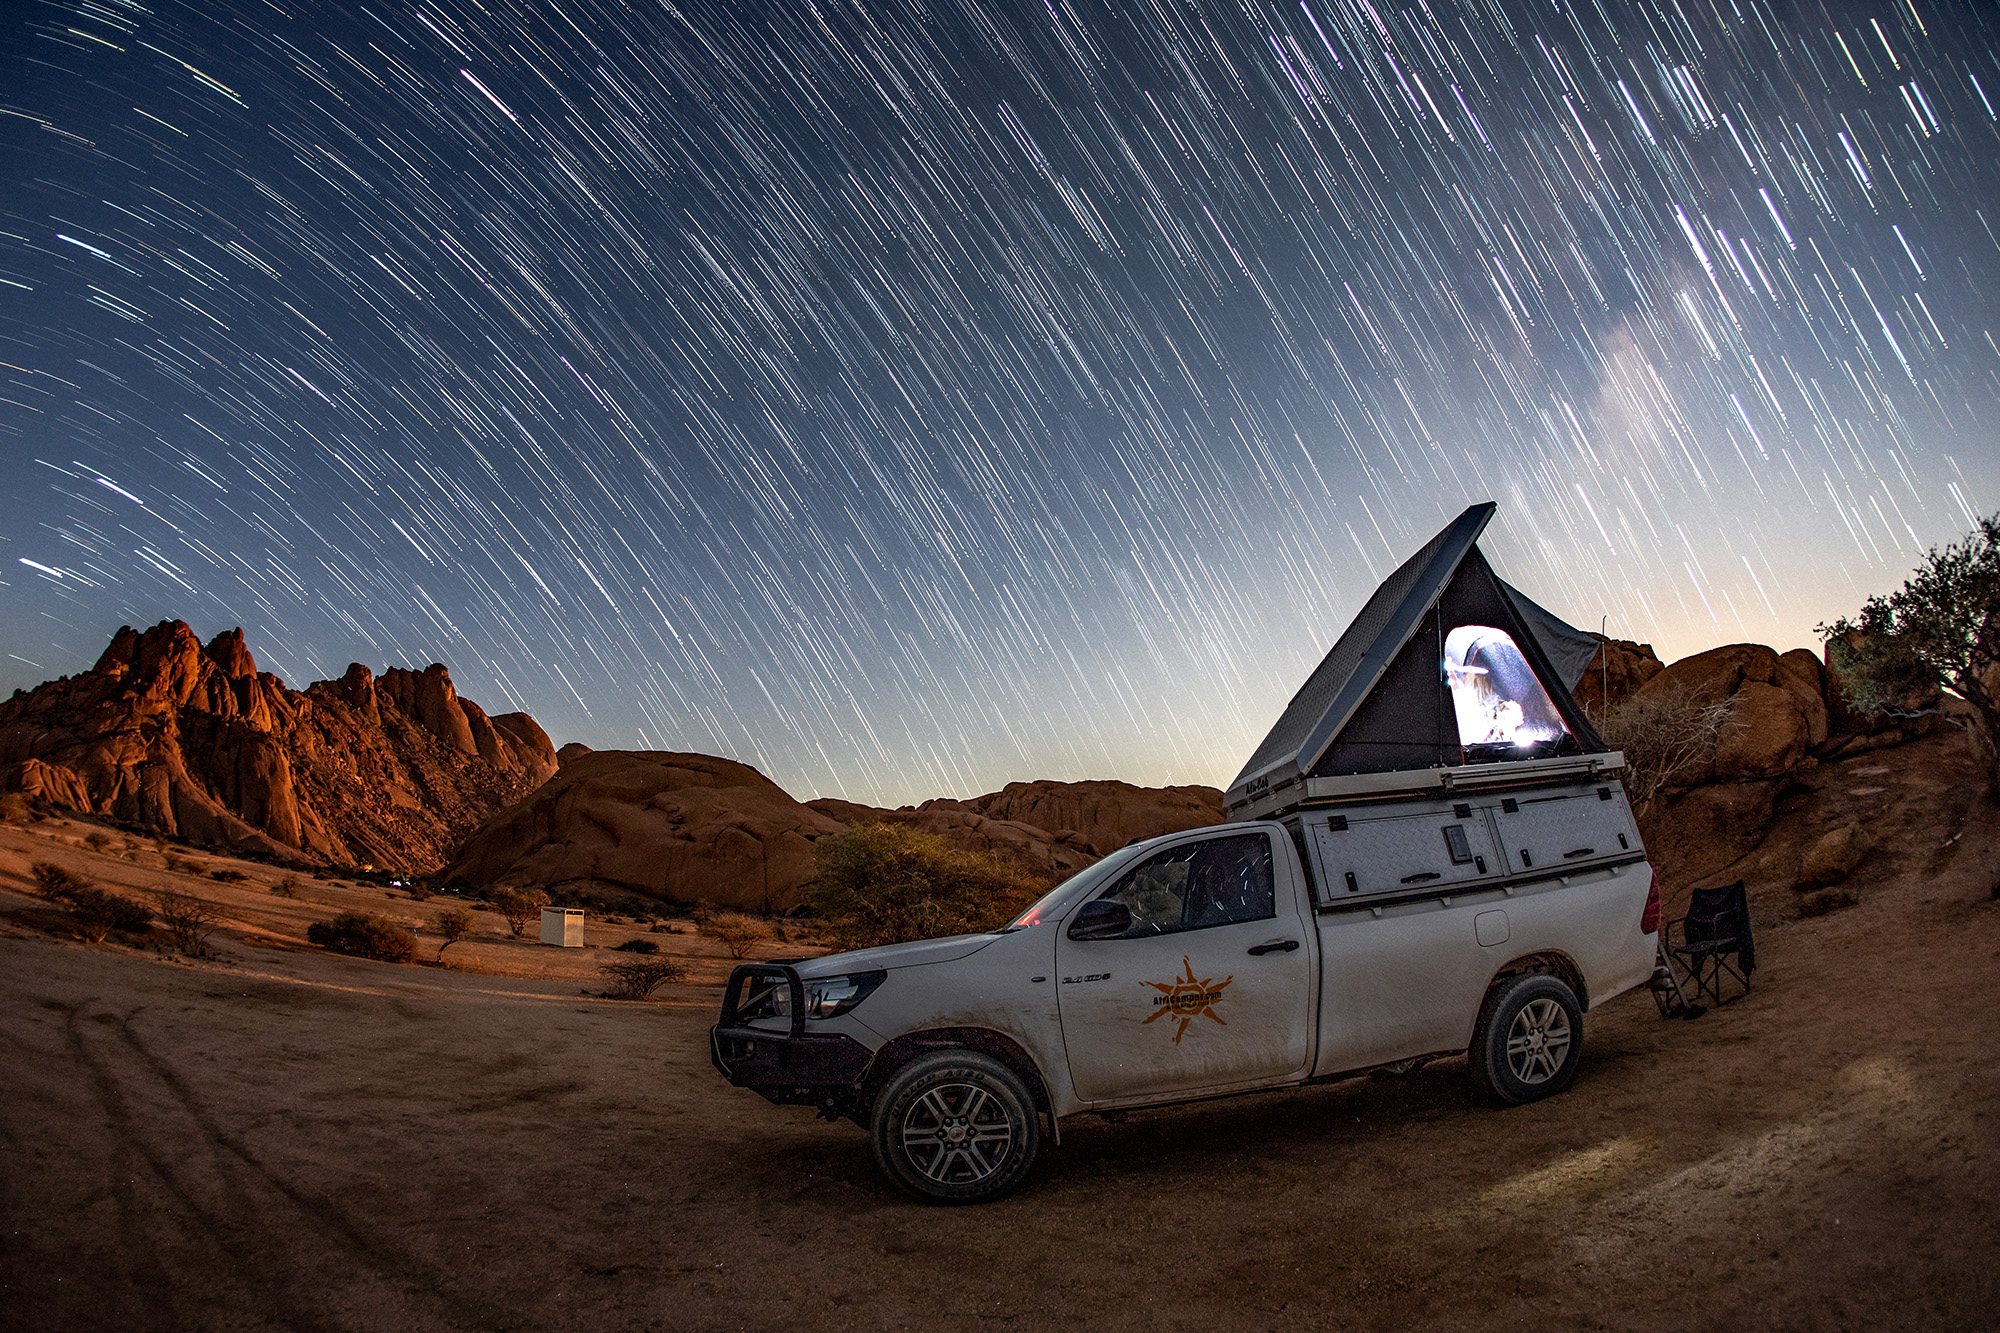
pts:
[286, 1139]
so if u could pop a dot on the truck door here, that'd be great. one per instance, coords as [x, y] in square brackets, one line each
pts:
[1209, 984]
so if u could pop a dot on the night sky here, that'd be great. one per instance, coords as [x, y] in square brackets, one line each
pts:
[907, 399]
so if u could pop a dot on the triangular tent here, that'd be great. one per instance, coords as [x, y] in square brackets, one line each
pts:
[1445, 666]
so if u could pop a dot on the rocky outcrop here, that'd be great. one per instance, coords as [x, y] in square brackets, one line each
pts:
[190, 739]
[1618, 671]
[1049, 830]
[1103, 816]
[691, 828]
[677, 827]
[1725, 798]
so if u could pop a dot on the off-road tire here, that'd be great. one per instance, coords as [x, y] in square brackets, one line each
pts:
[955, 1127]
[1528, 1041]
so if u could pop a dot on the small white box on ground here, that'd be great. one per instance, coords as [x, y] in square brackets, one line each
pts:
[563, 926]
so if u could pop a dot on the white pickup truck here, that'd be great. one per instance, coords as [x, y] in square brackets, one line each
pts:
[1192, 966]
[1432, 855]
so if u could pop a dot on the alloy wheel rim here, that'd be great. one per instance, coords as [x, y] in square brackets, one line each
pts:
[1538, 1041]
[957, 1133]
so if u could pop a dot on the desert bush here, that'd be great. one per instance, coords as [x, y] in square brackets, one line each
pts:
[14, 808]
[736, 932]
[56, 882]
[189, 920]
[418, 892]
[637, 946]
[97, 840]
[519, 908]
[98, 914]
[364, 935]
[1667, 735]
[884, 883]
[288, 887]
[638, 978]
[454, 924]
[227, 876]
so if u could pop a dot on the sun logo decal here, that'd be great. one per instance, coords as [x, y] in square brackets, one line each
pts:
[1187, 998]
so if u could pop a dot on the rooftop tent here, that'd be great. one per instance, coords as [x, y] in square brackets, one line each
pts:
[1446, 665]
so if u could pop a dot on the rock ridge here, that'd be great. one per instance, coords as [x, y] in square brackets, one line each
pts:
[192, 740]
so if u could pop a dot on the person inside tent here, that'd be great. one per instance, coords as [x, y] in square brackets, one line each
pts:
[1502, 709]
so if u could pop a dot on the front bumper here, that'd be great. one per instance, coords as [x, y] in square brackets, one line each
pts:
[792, 1068]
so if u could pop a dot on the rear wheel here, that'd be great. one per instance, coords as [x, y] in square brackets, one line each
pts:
[1528, 1041]
[955, 1127]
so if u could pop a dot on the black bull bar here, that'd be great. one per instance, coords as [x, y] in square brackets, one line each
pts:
[791, 1068]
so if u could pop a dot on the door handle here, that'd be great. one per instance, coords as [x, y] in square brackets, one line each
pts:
[1275, 946]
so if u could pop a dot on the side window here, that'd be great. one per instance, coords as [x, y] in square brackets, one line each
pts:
[1218, 882]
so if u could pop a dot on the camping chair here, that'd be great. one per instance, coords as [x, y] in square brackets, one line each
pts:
[1715, 930]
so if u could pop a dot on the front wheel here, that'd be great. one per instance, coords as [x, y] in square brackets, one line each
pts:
[955, 1127]
[1528, 1041]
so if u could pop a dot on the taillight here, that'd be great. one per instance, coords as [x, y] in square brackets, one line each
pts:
[1649, 920]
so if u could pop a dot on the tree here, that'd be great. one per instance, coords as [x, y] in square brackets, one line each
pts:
[640, 977]
[520, 907]
[737, 932]
[884, 883]
[1941, 628]
[454, 924]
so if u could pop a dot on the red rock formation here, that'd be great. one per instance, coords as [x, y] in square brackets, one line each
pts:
[1615, 674]
[193, 740]
[1104, 816]
[689, 827]
[678, 827]
[1724, 804]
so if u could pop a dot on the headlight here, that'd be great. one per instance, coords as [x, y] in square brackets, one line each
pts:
[830, 997]
[826, 997]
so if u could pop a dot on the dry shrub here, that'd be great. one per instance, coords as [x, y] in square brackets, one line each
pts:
[189, 920]
[14, 808]
[736, 932]
[97, 840]
[56, 882]
[288, 887]
[638, 978]
[1667, 735]
[364, 935]
[454, 924]
[885, 883]
[228, 876]
[519, 907]
[637, 946]
[96, 913]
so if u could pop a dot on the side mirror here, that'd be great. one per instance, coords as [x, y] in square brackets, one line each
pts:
[1101, 919]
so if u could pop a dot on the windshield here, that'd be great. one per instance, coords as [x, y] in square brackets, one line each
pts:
[1053, 898]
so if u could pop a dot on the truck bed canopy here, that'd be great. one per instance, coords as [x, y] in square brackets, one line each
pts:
[1445, 665]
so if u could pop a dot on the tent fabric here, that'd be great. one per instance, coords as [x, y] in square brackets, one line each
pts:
[1359, 657]
[1568, 649]
[1379, 701]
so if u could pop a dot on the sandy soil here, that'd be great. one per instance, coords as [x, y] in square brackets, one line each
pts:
[292, 1140]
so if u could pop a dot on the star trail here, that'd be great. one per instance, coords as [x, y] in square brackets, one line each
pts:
[909, 398]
